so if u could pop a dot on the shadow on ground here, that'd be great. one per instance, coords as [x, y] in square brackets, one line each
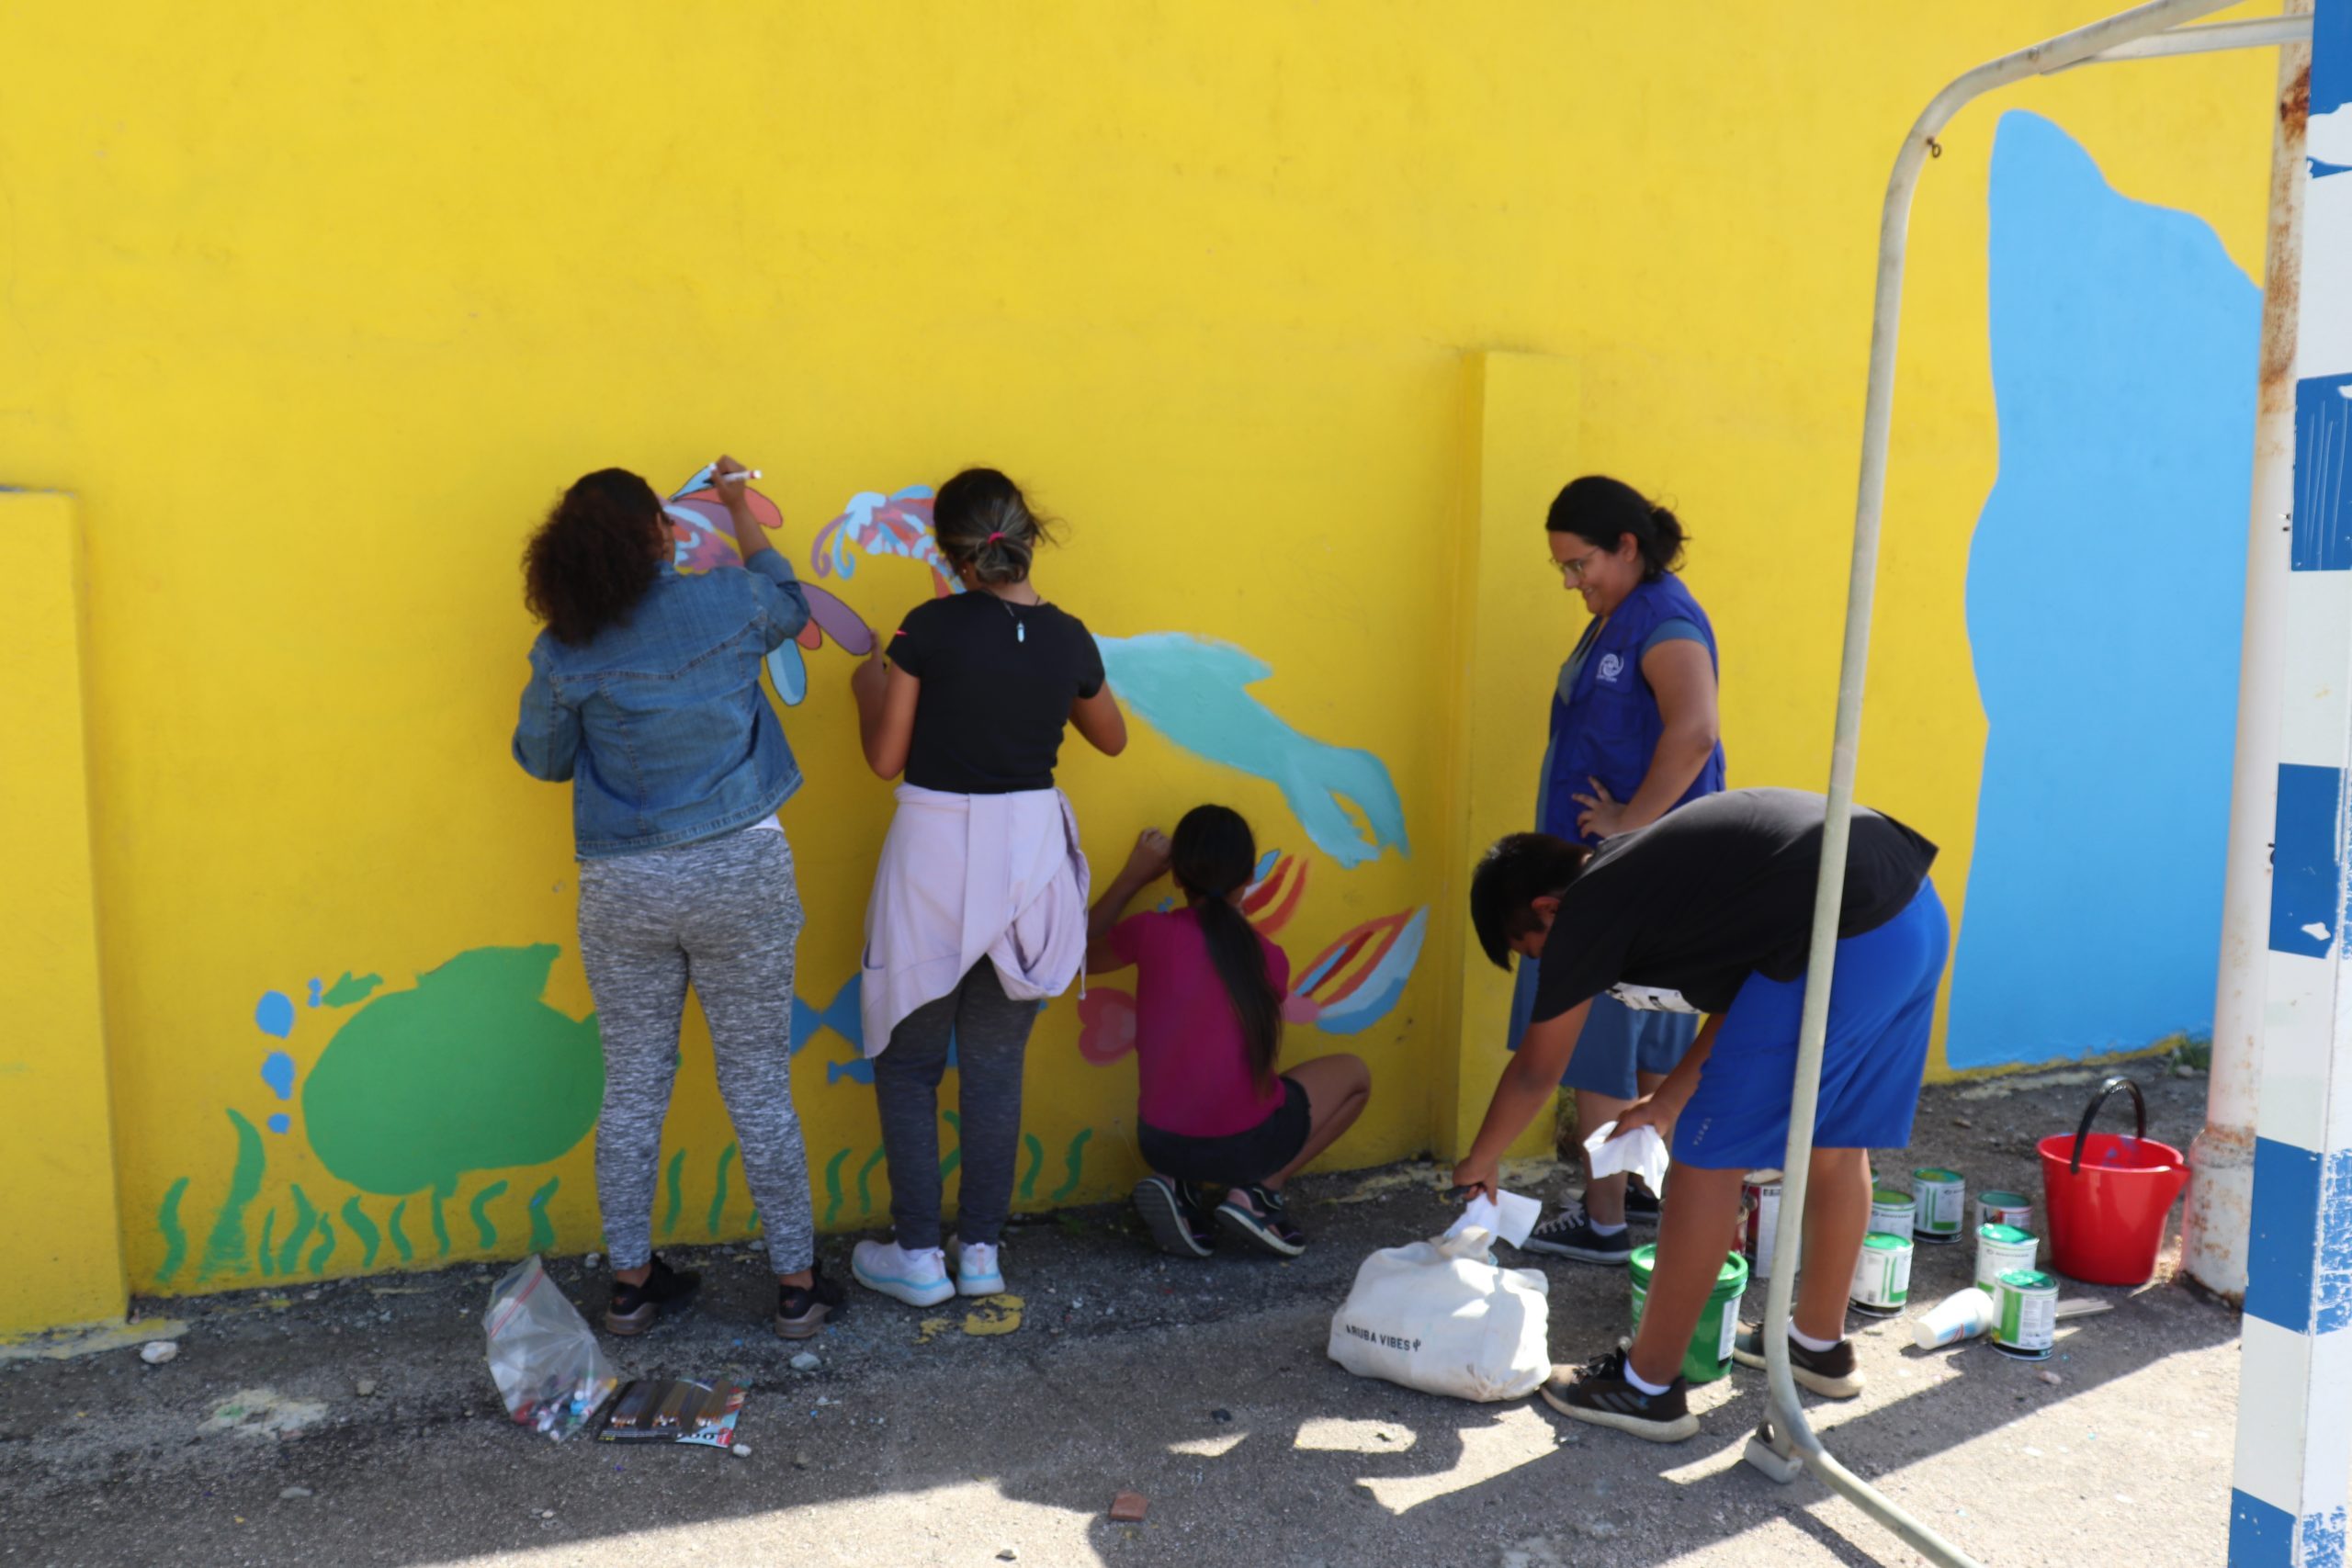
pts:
[1203, 1386]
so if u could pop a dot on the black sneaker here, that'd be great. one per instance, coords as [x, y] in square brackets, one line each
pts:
[801, 1310]
[1641, 1204]
[1569, 1234]
[1258, 1216]
[1832, 1373]
[1176, 1215]
[634, 1307]
[1599, 1392]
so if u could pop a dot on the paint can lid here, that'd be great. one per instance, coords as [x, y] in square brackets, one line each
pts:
[2005, 1200]
[1882, 1242]
[1889, 1195]
[1930, 1173]
[2005, 1235]
[2028, 1279]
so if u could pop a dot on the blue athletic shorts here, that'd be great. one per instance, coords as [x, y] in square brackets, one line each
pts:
[1881, 1006]
[1617, 1041]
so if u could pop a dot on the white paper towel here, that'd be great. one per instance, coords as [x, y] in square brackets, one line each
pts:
[1512, 1219]
[1640, 1153]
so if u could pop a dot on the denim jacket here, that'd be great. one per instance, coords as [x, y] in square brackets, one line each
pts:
[659, 721]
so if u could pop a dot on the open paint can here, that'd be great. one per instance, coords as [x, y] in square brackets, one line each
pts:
[2002, 1249]
[1881, 1275]
[2024, 1314]
[1941, 1198]
[2004, 1209]
[1892, 1211]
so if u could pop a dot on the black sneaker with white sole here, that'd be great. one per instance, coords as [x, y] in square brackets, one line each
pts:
[1258, 1216]
[1175, 1214]
[1833, 1373]
[1599, 1392]
[1569, 1234]
[1642, 1206]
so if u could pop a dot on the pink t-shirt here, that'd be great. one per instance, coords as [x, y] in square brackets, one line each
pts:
[1192, 1065]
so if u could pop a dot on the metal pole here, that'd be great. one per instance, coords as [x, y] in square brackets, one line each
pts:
[2292, 27]
[1787, 1439]
[2216, 1224]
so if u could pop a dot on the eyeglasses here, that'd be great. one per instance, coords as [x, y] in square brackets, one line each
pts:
[1572, 570]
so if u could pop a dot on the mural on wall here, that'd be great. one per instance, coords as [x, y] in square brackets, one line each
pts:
[436, 1109]
[705, 539]
[1192, 691]
[2105, 597]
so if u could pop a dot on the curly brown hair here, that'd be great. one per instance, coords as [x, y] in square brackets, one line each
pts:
[596, 555]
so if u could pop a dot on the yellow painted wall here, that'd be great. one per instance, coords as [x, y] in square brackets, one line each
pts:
[59, 1219]
[316, 311]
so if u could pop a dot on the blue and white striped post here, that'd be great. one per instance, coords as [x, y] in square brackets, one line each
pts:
[2294, 1447]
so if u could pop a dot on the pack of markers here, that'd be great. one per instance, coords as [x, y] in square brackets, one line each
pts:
[673, 1410]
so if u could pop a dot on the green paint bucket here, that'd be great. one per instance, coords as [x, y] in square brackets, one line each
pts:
[1709, 1355]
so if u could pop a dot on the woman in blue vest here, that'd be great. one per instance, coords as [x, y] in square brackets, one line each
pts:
[1633, 736]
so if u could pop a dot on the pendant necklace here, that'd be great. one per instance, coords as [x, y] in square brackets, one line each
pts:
[1020, 627]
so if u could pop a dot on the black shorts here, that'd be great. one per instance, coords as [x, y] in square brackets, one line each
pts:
[1237, 1158]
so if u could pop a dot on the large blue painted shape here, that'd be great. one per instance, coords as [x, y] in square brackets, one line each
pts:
[2106, 590]
[1196, 692]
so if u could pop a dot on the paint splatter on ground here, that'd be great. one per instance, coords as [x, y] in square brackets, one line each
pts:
[989, 1318]
[264, 1413]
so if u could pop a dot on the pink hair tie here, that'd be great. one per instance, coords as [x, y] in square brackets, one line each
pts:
[996, 539]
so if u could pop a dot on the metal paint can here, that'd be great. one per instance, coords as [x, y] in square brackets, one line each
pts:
[1942, 1200]
[1881, 1275]
[2004, 1209]
[1760, 1198]
[2024, 1314]
[2002, 1249]
[1892, 1211]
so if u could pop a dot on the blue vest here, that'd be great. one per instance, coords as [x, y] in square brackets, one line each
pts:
[1607, 726]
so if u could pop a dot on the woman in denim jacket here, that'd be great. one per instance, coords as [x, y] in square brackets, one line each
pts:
[645, 694]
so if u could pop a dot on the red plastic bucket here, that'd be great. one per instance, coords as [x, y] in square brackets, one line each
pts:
[2107, 1195]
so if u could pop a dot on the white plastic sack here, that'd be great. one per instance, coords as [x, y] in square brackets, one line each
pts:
[1439, 1316]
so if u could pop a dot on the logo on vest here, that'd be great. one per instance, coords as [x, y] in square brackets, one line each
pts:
[1611, 666]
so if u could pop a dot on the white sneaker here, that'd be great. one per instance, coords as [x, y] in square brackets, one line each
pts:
[978, 1273]
[918, 1279]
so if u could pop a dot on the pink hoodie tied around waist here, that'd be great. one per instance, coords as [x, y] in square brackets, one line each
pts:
[965, 877]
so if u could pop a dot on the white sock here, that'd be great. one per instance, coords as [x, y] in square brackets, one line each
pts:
[1652, 1389]
[1599, 1229]
[1798, 1337]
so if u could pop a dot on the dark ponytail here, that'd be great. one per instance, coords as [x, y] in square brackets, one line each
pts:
[1600, 510]
[983, 523]
[1212, 855]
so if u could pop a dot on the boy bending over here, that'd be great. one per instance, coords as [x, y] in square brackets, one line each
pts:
[1710, 908]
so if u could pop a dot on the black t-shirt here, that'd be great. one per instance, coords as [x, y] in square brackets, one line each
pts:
[997, 681]
[1715, 890]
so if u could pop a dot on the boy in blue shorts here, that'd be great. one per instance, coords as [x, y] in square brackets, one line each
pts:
[1711, 909]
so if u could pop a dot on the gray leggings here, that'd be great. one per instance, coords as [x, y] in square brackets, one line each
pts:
[723, 914]
[991, 1032]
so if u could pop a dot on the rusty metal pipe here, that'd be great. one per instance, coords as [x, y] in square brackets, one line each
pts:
[2216, 1222]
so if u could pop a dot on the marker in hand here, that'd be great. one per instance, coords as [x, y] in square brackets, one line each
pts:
[738, 474]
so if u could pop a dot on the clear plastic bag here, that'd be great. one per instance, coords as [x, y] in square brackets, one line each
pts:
[550, 1370]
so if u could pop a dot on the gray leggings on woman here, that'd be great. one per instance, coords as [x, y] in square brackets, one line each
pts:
[723, 914]
[991, 1034]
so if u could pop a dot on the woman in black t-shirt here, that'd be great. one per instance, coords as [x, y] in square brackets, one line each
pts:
[978, 910]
